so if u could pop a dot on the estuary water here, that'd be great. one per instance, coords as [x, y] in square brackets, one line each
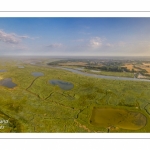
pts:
[37, 74]
[62, 84]
[3, 70]
[103, 76]
[7, 83]
[20, 67]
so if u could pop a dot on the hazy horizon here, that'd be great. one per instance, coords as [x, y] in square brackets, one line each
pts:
[69, 37]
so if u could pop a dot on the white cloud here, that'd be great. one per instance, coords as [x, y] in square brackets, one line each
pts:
[95, 42]
[12, 37]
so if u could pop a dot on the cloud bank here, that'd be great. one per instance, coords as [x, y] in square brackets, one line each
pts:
[11, 38]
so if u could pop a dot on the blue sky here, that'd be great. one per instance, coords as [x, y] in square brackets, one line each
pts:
[75, 36]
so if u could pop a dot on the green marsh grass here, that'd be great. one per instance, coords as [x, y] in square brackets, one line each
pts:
[35, 105]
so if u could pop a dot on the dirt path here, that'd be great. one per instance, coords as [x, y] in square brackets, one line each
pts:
[82, 126]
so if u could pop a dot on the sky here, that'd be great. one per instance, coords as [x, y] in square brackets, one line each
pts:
[75, 36]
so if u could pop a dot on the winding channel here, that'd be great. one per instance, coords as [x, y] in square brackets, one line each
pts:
[97, 76]
[102, 76]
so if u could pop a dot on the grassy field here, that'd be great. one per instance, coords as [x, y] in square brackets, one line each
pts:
[118, 74]
[34, 105]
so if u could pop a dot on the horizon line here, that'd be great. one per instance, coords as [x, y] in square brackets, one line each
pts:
[75, 56]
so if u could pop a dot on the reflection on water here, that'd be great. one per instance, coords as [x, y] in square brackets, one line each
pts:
[2, 70]
[20, 66]
[62, 84]
[37, 74]
[7, 83]
[102, 76]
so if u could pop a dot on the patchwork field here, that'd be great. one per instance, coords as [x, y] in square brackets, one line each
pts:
[129, 66]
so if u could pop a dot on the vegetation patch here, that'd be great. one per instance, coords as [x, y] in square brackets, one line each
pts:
[118, 118]
[35, 105]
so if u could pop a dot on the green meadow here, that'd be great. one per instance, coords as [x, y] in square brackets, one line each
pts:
[119, 74]
[36, 106]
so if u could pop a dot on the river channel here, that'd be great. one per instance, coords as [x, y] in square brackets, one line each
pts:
[102, 76]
